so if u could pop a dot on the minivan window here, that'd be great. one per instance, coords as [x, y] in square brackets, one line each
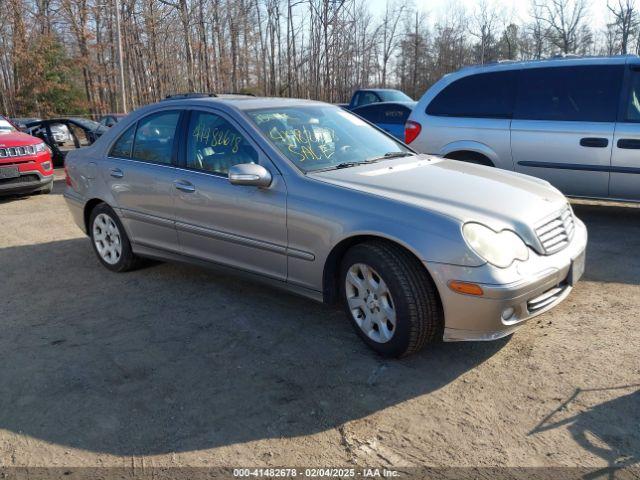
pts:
[154, 137]
[632, 113]
[214, 145]
[575, 93]
[484, 95]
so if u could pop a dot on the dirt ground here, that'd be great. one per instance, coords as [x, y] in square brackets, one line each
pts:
[173, 365]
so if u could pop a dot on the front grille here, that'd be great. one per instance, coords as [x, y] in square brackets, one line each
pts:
[555, 234]
[19, 180]
[17, 151]
[546, 299]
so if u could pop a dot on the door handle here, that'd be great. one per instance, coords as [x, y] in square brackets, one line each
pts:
[116, 173]
[629, 143]
[594, 142]
[184, 186]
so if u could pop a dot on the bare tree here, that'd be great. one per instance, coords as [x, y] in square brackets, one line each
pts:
[392, 15]
[625, 21]
[483, 27]
[564, 20]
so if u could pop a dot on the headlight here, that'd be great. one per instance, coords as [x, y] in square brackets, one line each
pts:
[42, 147]
[499, 248]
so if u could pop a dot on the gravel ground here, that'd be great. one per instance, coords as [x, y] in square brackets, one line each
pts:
[173, 365]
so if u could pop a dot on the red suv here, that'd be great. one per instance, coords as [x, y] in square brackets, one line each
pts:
[25, 162]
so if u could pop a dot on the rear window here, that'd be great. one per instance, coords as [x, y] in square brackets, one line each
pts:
[583, 94]
[485, 95]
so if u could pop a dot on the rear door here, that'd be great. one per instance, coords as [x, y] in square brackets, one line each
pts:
[625, 161]
[140, 172]
[563, 126]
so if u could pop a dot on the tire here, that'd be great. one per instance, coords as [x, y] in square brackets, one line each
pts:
[411, 294]
[114, 248]
[46, 190]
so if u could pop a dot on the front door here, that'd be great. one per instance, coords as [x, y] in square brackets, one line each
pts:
[625, 161]
[239, 226]
[563, 124]
[140, 173]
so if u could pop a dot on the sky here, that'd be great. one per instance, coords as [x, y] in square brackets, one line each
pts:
[598, 13]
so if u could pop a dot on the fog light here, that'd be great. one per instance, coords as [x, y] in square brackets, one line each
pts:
[507, 313]
[46, 165]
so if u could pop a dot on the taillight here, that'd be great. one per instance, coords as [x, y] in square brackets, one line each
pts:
[411, 131]
[67, 178]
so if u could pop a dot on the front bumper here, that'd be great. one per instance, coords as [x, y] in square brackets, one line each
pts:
[529, 288]
[28, 181]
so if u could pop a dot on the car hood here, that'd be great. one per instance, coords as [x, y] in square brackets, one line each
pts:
[17, 139]
[465, 191]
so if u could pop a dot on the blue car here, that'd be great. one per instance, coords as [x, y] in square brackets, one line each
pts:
[389, 116]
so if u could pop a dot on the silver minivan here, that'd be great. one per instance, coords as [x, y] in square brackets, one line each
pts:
[572, 121]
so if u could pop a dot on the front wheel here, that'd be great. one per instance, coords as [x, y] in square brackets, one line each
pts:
[390, 299]
[110, 241]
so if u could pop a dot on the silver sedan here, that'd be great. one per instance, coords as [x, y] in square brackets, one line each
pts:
[312, 198]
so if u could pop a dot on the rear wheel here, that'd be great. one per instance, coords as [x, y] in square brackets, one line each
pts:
[110, 241]
[390, 299]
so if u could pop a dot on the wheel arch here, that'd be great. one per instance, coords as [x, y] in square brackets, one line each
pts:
[330, 281]
[88, 208]
[481, 151]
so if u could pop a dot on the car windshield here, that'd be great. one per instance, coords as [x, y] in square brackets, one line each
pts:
[5, 126]
[324, 136]
[394, 96]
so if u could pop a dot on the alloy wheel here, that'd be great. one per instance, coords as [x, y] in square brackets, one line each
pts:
[107, 238]
[370, 302]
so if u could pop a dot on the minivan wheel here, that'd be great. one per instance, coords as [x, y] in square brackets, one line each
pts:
[390, 298]
[110, 241]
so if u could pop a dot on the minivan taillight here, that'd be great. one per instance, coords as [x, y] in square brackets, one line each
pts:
[411, 131]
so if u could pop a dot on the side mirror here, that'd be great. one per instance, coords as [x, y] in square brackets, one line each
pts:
[250, 174]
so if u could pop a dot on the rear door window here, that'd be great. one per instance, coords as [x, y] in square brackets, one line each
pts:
[579, 94]
[154, 137]
[124, 144]
[484, 95]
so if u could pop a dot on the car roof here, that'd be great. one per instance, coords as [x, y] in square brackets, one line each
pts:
[568, 60]
[243, 102]
[379, 90]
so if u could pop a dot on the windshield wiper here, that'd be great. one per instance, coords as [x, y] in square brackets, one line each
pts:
[388, 155]
[339, 166]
